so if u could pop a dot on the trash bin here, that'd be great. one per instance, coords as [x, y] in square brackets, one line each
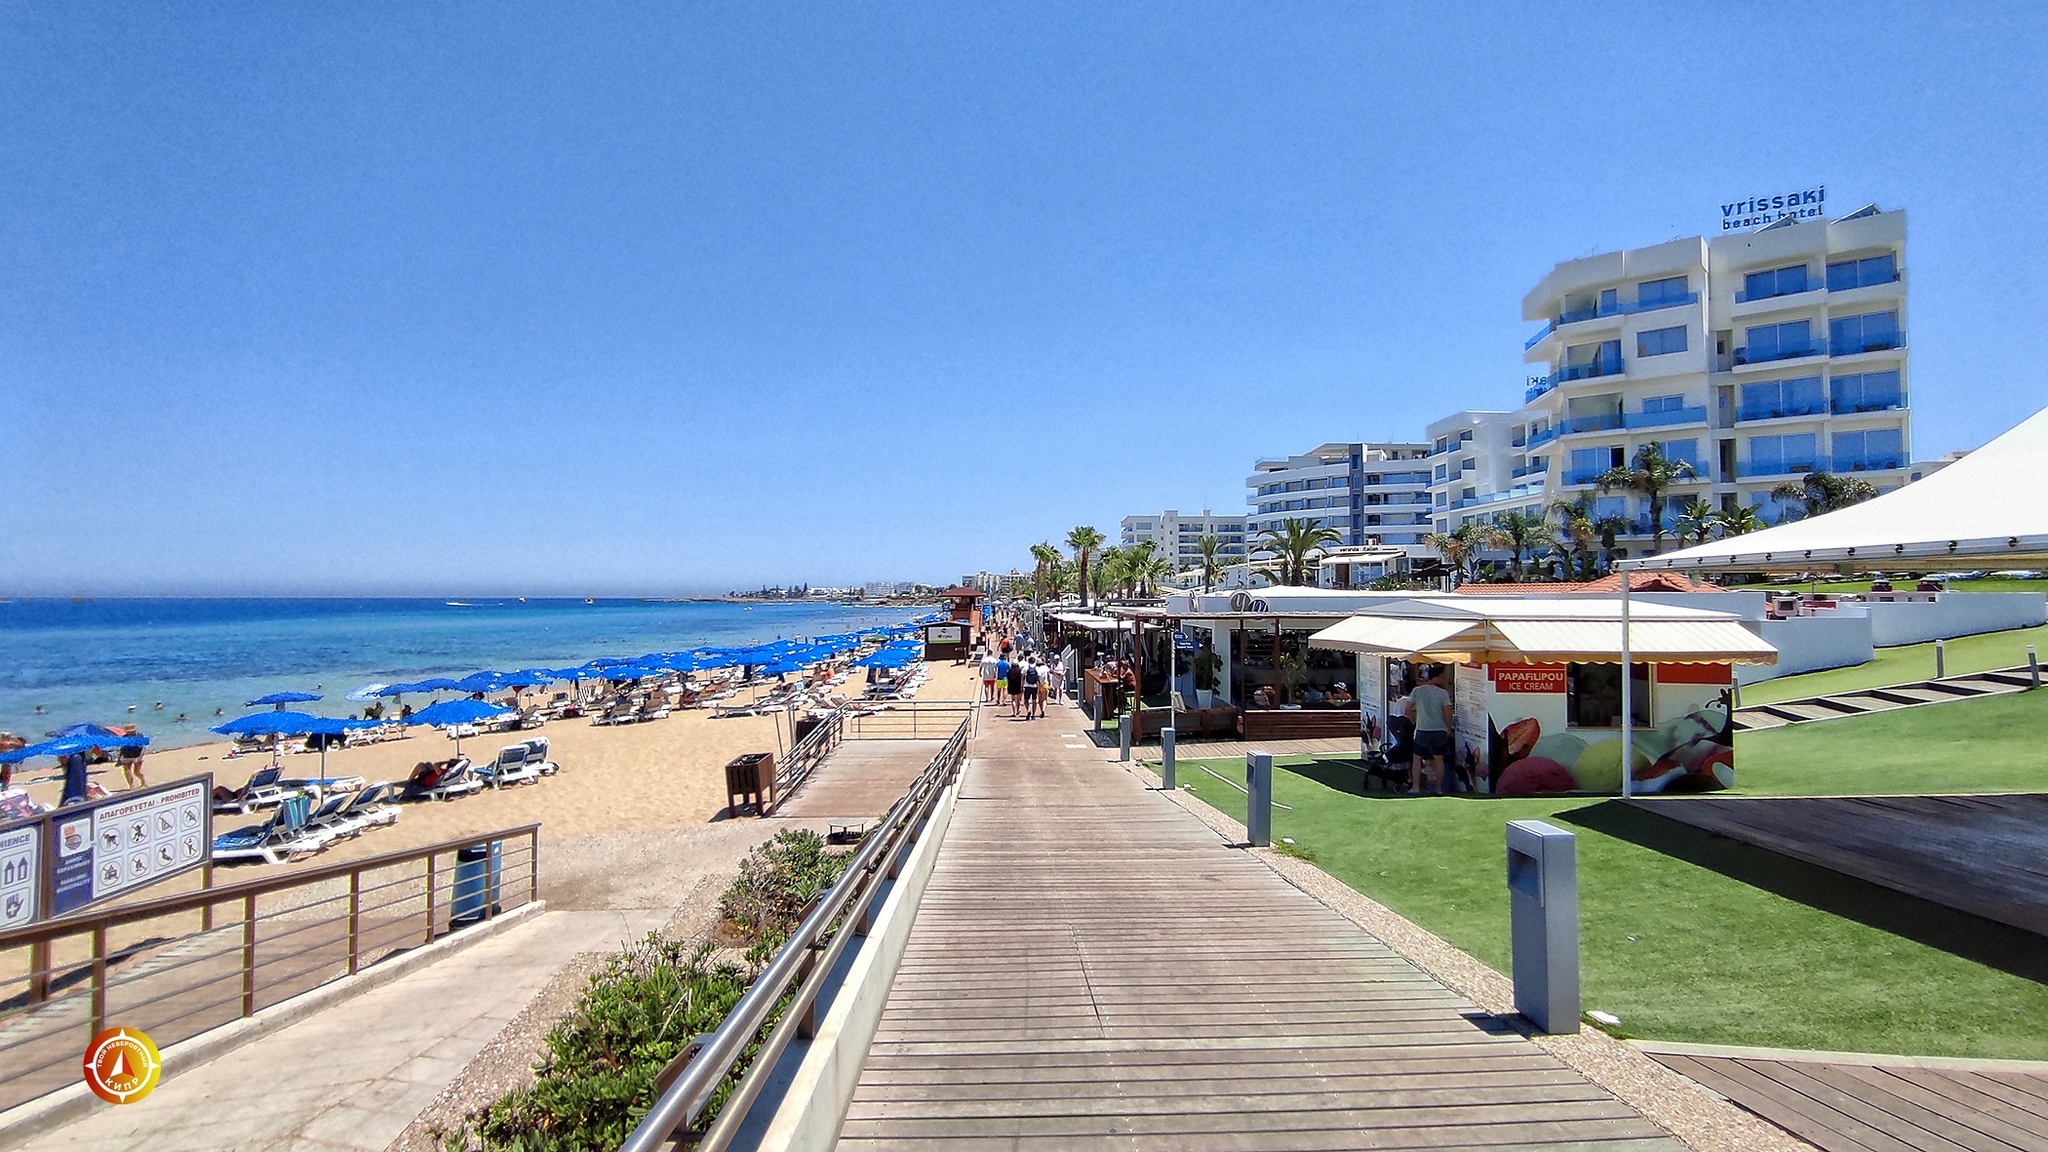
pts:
[477, 871]
[750, 779]
[1543, 895]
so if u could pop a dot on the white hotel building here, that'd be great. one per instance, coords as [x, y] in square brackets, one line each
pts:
[1179, 538]
[1755, 357]
[1368, 492]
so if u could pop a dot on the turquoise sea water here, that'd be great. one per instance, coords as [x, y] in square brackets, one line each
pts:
[92, 660]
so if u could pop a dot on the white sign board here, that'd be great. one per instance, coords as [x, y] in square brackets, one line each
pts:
[942, 634]
[128, 842]
[21, 874]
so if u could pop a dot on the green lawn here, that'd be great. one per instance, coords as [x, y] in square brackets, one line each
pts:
[1909, 662]
[1691, 938]
[1845, 587]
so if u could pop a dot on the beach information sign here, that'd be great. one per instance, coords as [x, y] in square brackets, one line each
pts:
[126, 842]
[21, 874]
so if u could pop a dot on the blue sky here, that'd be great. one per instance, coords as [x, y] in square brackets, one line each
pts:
[531, 298]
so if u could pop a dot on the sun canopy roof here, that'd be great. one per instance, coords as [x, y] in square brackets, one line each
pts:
[1583, 629]
[1975, 513]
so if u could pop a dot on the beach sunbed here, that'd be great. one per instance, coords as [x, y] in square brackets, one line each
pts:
[282, 837]
[511, 767]
[264, 790]
[537, 755]
[442, 780]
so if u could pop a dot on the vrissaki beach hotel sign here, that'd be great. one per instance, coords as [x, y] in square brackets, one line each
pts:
[1757, 211]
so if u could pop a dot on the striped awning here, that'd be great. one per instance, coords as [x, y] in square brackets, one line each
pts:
[1545, 630]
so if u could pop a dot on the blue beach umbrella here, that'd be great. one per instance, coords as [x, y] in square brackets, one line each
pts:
[454, 713]
[281, 699]
[66, 745]
[278, 723]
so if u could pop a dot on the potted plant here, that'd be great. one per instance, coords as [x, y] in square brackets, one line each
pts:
[1292, 670]
[1207, 664]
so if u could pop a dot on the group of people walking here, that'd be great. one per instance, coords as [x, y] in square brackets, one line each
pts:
[1023, 680]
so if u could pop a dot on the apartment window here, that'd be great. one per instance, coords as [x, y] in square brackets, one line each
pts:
[1784, 455]
[1584, 360]
[1464, 435]
[1664, 404]
[1467, 464]
[1372, 520]
[1661, 341]
[1315, 484]
[1846, 274]
[1443, 472]
[1684, 452]
[1766, 342]
[1372, 480]
[1443, 498]
[1866, 333]
[1876, 449]
[1664, 293]
[1769, 399]
[1443, 444]
[1777, 282]
[1866, 392]
[1469, 494]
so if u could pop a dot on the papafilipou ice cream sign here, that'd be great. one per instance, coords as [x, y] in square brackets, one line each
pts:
[1757, 211]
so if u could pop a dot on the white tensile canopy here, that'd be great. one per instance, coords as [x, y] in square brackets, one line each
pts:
[1547, 630]
[1986, 510]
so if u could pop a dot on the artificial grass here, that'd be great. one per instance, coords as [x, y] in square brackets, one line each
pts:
[1844, 587]
[1992, 744]
[1684, 936]
[1905, 663]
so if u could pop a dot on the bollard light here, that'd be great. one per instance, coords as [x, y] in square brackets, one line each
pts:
[1166, 759]
[1123, 736]
[1543, 899]
[1258, 800]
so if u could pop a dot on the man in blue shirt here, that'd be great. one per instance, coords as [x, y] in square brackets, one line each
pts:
[1003, 678]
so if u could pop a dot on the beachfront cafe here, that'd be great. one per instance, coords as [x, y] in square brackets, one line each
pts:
[1538, 691]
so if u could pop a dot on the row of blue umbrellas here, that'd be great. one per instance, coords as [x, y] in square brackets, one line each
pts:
[77, 738]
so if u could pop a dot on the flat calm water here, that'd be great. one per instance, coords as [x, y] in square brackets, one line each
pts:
[95, 660]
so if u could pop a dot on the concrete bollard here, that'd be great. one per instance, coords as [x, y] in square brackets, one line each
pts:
[1258, 800]
[1123, 736]
[1940, 659]
[1166, 759]
[2033, 666]
[1543, 899]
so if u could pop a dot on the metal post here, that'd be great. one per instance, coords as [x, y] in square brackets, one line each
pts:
[430, 899]
[2033, 666]
[206, 881]
[1627, 702]
[99, 978]
[1123, 736]
[533, 865]
[1166, 759]
[1258, 800]
[1543, 901]
[1940, 659]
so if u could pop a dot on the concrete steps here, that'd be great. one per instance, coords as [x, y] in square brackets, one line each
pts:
[1866, 701]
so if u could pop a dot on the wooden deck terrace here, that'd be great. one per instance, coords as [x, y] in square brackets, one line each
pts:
[1092, 968]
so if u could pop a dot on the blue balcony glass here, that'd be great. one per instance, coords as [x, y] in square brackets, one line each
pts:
[1538, 385]
[1663, 302]
[1604, 422]
[1870, 401]
[1548, 327]
[1869, 462]
[1870, 342]
[1584, 475]
[1781, 352]
[1538, 439]
[1779, 411]
[1796, 466]
[1664, 419]
[1604, 366]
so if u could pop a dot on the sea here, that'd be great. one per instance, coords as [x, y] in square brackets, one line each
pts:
[175, 667]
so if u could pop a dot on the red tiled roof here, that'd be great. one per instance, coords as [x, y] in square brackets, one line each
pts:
[1638, 582]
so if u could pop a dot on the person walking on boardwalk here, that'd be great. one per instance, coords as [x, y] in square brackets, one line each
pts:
[1016, 685]
[988, 677]
[1002, 677]
[1033, 680]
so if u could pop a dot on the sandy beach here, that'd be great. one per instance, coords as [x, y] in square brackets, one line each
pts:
[633, 778]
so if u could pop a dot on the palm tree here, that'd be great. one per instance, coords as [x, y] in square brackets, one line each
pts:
[1519, 533]
[1609, 527]
[1577, 528]
[1696, 521]
[1212, 564]
[1651, 475]
[1740, 520]
[1818, 493]
[1461, 546]
[1083, 542]
[1149, 572]
[1046, 565]
[1295, 543]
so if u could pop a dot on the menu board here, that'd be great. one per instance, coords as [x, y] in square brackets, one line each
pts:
[1470, 713]
[21, 874]
[1372, 697]
[127, 841]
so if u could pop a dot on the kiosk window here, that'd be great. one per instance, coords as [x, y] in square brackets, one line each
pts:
[1593, 695]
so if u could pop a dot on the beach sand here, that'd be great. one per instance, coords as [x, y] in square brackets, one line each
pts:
[633, 778]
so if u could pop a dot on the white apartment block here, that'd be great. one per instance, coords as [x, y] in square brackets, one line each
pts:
[1754, 357]
[1179, 537]
[1370, 493]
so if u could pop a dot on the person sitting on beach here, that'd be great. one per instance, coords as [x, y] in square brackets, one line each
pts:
[15, 803]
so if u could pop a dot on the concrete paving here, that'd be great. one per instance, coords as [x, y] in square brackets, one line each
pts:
[318, 1086]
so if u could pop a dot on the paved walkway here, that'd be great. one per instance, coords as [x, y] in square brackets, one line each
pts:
[316, 1086]
[1092, 968]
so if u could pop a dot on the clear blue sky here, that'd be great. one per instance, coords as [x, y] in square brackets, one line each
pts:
[507, 297]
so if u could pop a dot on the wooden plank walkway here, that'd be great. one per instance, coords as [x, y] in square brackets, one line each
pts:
[1092, 968]
[1889, 1107]
[1984, 855]
[859, 780]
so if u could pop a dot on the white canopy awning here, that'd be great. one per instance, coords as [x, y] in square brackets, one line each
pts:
[1089, 621]
[1574, 629]
[1983, 511]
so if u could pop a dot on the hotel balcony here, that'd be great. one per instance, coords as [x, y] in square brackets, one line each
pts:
[1876, 342]
[1750, 413]
[1539, 439]
[1514, 495]
[1605, 366]
[1581, 315]
[1666, 419]
[1884, 402]
[1812, 347]
[1582, 476]
[1867, 462]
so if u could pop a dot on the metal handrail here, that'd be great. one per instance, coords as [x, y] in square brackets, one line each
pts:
[809, 752]
[804, 961]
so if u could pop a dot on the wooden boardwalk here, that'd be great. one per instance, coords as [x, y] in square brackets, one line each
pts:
[1092, 968]
[859, 780]
[1895, 1106]
[1985, 855]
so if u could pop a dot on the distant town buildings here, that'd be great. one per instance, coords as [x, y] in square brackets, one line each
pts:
[1368, 492]
[1179, 537]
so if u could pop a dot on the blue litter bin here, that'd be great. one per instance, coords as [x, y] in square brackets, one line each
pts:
[477, 870]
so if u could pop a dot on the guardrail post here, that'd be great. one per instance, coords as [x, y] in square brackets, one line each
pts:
[430, 898]
[2033, 666]
[355, 919]
[99, 978]
[205, 883]
[1123, 737]
[1940, 659]
[249, 954]
[533, 866]
[39, 972]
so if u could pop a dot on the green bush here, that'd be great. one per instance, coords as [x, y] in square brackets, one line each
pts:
[596, 1076]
